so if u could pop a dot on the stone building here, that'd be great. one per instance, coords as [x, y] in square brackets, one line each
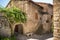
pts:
[39, 17]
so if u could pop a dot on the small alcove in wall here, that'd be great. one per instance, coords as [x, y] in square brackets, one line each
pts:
[18, 29]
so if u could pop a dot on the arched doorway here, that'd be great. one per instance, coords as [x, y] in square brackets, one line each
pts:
[18, 29]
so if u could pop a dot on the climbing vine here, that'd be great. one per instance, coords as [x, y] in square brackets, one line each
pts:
[14, 14]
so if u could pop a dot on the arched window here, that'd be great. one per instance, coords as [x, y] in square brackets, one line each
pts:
[36, 16]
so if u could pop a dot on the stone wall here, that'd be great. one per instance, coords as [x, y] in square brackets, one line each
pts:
[56, 18]
[46, 22]
[5, 29]
[33, 16]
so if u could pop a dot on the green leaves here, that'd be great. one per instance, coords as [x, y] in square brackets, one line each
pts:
[14, 14]
[6, 38]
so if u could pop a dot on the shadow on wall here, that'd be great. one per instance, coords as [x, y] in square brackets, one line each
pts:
[39, 30]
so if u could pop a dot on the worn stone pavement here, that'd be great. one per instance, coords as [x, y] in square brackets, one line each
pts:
[39, 37]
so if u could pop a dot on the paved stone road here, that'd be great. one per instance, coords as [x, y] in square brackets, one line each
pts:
[50, 38]
[40, 37]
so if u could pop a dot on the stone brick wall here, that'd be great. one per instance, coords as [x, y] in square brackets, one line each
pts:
[33, 16]
[46, 22]
[56, 20]
[5, 29]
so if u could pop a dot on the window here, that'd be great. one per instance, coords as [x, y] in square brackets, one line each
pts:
[36, 16]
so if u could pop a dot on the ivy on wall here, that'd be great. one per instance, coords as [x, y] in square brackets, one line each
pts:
[14, 14]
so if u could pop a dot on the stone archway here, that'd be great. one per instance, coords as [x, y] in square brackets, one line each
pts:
[18, 29]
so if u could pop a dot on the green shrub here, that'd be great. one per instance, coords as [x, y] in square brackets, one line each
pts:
[52, 28]
[5, 38]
